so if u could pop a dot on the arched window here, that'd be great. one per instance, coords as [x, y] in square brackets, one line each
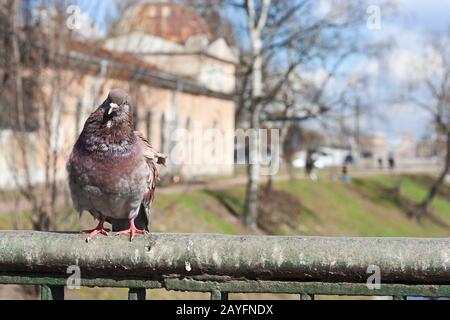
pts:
[188, 123]
[163, 133]
[77, 119]
[148, 125]
[135, 117]
[188, 140]
[214, 140]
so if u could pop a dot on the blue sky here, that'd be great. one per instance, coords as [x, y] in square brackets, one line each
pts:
[413, 20]
[426, 14]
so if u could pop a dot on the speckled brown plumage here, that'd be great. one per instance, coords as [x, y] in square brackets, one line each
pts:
[113, 169]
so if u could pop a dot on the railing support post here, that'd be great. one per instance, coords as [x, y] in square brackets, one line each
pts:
[136, 294]
[218, 295]
[49, 292]
[305, 296]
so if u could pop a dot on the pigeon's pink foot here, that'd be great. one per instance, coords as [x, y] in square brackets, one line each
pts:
[99, 229]
[132, 231]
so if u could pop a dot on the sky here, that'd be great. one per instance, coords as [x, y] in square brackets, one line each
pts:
[413, 21]
[408, 27]
[426, 14]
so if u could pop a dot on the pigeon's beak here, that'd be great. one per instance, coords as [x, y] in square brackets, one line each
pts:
[112, 107]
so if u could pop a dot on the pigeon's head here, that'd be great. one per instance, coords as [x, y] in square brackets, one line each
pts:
[117, 106]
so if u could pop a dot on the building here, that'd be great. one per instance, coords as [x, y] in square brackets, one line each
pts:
[175, 39]
[430, 147]
[373, 146]
[181, 81]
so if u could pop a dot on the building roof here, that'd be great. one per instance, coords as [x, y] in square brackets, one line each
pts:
[165, 20]
[127, 66]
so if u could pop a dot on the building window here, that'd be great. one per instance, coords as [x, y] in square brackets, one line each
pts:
[77, 119]
[214, 140]
[25, 119]
[163, 133]
[188, 140]
[148, 124]
[135, 117]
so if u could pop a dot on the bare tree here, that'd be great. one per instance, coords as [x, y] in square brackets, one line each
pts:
[38, 73]
[430, 91]
[284, 36]
[304, 98]
[256, 21]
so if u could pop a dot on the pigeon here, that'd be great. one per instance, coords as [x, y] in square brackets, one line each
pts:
[112, 169]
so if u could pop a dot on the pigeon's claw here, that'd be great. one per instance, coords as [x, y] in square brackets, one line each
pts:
[93, 232]
[132, 231]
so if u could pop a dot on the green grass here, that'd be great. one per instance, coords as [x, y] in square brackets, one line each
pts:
[191, 212]
[365, 207]
[23, 218]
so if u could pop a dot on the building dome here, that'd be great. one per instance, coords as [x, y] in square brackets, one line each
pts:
[165, 20]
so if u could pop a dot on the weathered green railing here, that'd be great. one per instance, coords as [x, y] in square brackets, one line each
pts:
[221, 264]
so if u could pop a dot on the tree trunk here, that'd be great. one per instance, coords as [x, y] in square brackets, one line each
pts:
[251, 203]
[269, 185]
[251, 200]
[422, 209]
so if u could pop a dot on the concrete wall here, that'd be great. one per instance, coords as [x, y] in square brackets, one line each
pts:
[83, 93]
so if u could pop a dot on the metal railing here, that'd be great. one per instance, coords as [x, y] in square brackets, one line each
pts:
[221, 264]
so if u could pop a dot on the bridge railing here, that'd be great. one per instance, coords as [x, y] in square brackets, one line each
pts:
[220, 264]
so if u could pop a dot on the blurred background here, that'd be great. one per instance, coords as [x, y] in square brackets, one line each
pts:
[354, 96]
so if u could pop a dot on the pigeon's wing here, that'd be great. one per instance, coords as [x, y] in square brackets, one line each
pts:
[152, 158]
[150, 154]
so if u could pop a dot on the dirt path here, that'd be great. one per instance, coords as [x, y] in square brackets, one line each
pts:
[241, 180]
[8, 206]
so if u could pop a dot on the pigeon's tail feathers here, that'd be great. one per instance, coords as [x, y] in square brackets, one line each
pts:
[141, 221]
[118, 224]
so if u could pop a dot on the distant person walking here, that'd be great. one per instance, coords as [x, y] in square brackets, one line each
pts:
[309, 166]
[347, 162]
[391, 161]
[349, 159]
[380, 163]
[345, 175]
